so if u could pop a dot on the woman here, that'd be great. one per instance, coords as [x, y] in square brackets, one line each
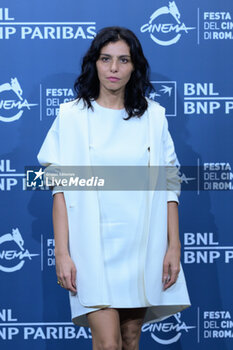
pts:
[117, 252]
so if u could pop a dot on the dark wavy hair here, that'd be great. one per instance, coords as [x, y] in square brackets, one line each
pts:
[87, 84]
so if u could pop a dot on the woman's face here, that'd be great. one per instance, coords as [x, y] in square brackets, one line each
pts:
[114, 66]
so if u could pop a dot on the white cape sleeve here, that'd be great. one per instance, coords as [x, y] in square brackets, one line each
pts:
[49, 153]
[172, 166]
[50, 150]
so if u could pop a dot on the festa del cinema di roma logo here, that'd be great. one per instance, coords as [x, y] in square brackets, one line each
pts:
[11, 109]
[13, 259]
[166, 34]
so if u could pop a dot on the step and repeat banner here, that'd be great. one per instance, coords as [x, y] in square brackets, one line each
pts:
[189, 46]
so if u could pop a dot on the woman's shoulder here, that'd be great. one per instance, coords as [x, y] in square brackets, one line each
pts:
[74, 104]
[155, 106]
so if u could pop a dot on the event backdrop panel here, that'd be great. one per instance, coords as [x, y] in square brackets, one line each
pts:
[189, 47]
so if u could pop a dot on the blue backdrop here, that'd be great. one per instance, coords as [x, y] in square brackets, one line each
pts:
[189, 47]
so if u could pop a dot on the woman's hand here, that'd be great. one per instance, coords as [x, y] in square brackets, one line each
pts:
[66, 272]
[171, 266]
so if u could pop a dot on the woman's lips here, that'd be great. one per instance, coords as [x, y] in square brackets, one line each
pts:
[113, 79]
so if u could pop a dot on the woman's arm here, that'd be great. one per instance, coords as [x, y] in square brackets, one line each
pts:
[65, 268]
[171, 263]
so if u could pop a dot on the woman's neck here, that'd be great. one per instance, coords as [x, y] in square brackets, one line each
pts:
[114, 101]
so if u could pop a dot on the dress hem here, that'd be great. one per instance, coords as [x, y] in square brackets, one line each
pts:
[154, 313]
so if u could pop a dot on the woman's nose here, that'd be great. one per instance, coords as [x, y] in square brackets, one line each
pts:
[114, 66]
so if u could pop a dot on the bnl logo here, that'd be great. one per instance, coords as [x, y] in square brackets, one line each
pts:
[34, 178]
[166, 94]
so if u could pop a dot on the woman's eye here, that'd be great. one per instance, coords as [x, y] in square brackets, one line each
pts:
[106, 59]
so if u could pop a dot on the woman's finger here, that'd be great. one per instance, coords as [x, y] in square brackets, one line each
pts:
[68, 284]
[173, 278]
[61, 281]
[165, 272]
[73, 279]
[169, 280]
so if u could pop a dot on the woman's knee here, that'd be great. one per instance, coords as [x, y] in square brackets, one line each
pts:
[105, 329]
[131, 335]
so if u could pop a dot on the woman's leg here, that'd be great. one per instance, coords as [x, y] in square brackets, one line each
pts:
[105, 329]
[130, 323]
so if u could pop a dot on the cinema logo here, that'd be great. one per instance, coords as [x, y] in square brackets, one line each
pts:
[166, 333]
[12, 103]
[164, 26]
[12, 252]
[204, 248]
[204, 99]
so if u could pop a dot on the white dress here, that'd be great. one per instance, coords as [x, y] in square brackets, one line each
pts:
[115, 141]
